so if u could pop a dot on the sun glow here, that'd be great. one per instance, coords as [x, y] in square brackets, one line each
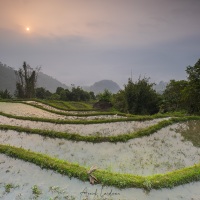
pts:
[27, 29]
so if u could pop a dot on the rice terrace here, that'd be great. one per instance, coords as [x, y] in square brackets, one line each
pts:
[99, 100]
[135, 144]
[49, 151]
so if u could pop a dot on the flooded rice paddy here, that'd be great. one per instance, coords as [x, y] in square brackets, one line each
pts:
[20, 109]
[25, 181]
[103, 129]
[58, 110]
[161, 152]
[171, 148]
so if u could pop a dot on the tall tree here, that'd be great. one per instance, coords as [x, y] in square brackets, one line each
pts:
[106, 95]
[5, 94]
[26, 81]
[137, 98]
[42, 93]
[192, 92]
[141, 98]
[173, 96]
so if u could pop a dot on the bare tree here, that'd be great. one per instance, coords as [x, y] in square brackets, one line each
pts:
[26, 81]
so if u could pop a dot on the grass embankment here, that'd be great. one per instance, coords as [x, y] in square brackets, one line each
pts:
[67, 105]
[82, 121]
[97, 139]
[158, 181]
[94, 113]
[62, 105]
[55, 105]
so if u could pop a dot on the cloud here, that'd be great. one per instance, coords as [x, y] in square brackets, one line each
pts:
[114, 21]
[82, 42]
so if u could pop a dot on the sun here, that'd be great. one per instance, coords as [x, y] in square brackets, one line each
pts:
[27, 29]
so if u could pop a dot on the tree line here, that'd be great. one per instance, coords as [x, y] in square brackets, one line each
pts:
[137, 97]
[75, 94]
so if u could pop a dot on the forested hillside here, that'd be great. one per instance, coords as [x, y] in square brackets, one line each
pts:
[8, 80]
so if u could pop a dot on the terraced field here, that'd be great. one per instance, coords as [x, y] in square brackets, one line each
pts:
[53, 152]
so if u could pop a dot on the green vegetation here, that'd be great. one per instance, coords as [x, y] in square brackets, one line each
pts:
[9, 186]
[180, 99]
[137, 98]
[105, 96]
[97, 139]
[86, 114]
[42, 93]
[95, 121]
[5, 94]
[106, 177]
[157, 181]
[59, 192]
[184, 95]
[172, 96]
[36, 191]
[67, 105]
[75, 94]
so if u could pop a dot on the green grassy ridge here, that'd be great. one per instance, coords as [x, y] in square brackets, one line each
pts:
[98, 139]
[10, 100]
[45, 161]
[76, 115]
[97, 112]
[55, 104]
[52, 111]
[158, 115]
[96, 121]
[158, 181]
[79, 104]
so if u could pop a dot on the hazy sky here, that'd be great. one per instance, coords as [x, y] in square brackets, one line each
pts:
[83, 41]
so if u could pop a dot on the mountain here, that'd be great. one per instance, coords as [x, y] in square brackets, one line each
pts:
[100, 86]
[160, 87]
[49, 82]
[8, 80]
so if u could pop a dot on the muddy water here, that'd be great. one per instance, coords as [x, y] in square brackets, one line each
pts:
[23, 176]
[190, 131]
[104, 129]
[159, 153]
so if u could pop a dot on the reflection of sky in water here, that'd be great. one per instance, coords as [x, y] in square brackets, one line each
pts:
[163, 151]
[26, 175]
[83, 129]
[158, 153]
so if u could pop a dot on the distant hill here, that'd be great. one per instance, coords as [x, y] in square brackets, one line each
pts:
[49, 82]
[160, 87]
[8, 80]
[100, 86]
